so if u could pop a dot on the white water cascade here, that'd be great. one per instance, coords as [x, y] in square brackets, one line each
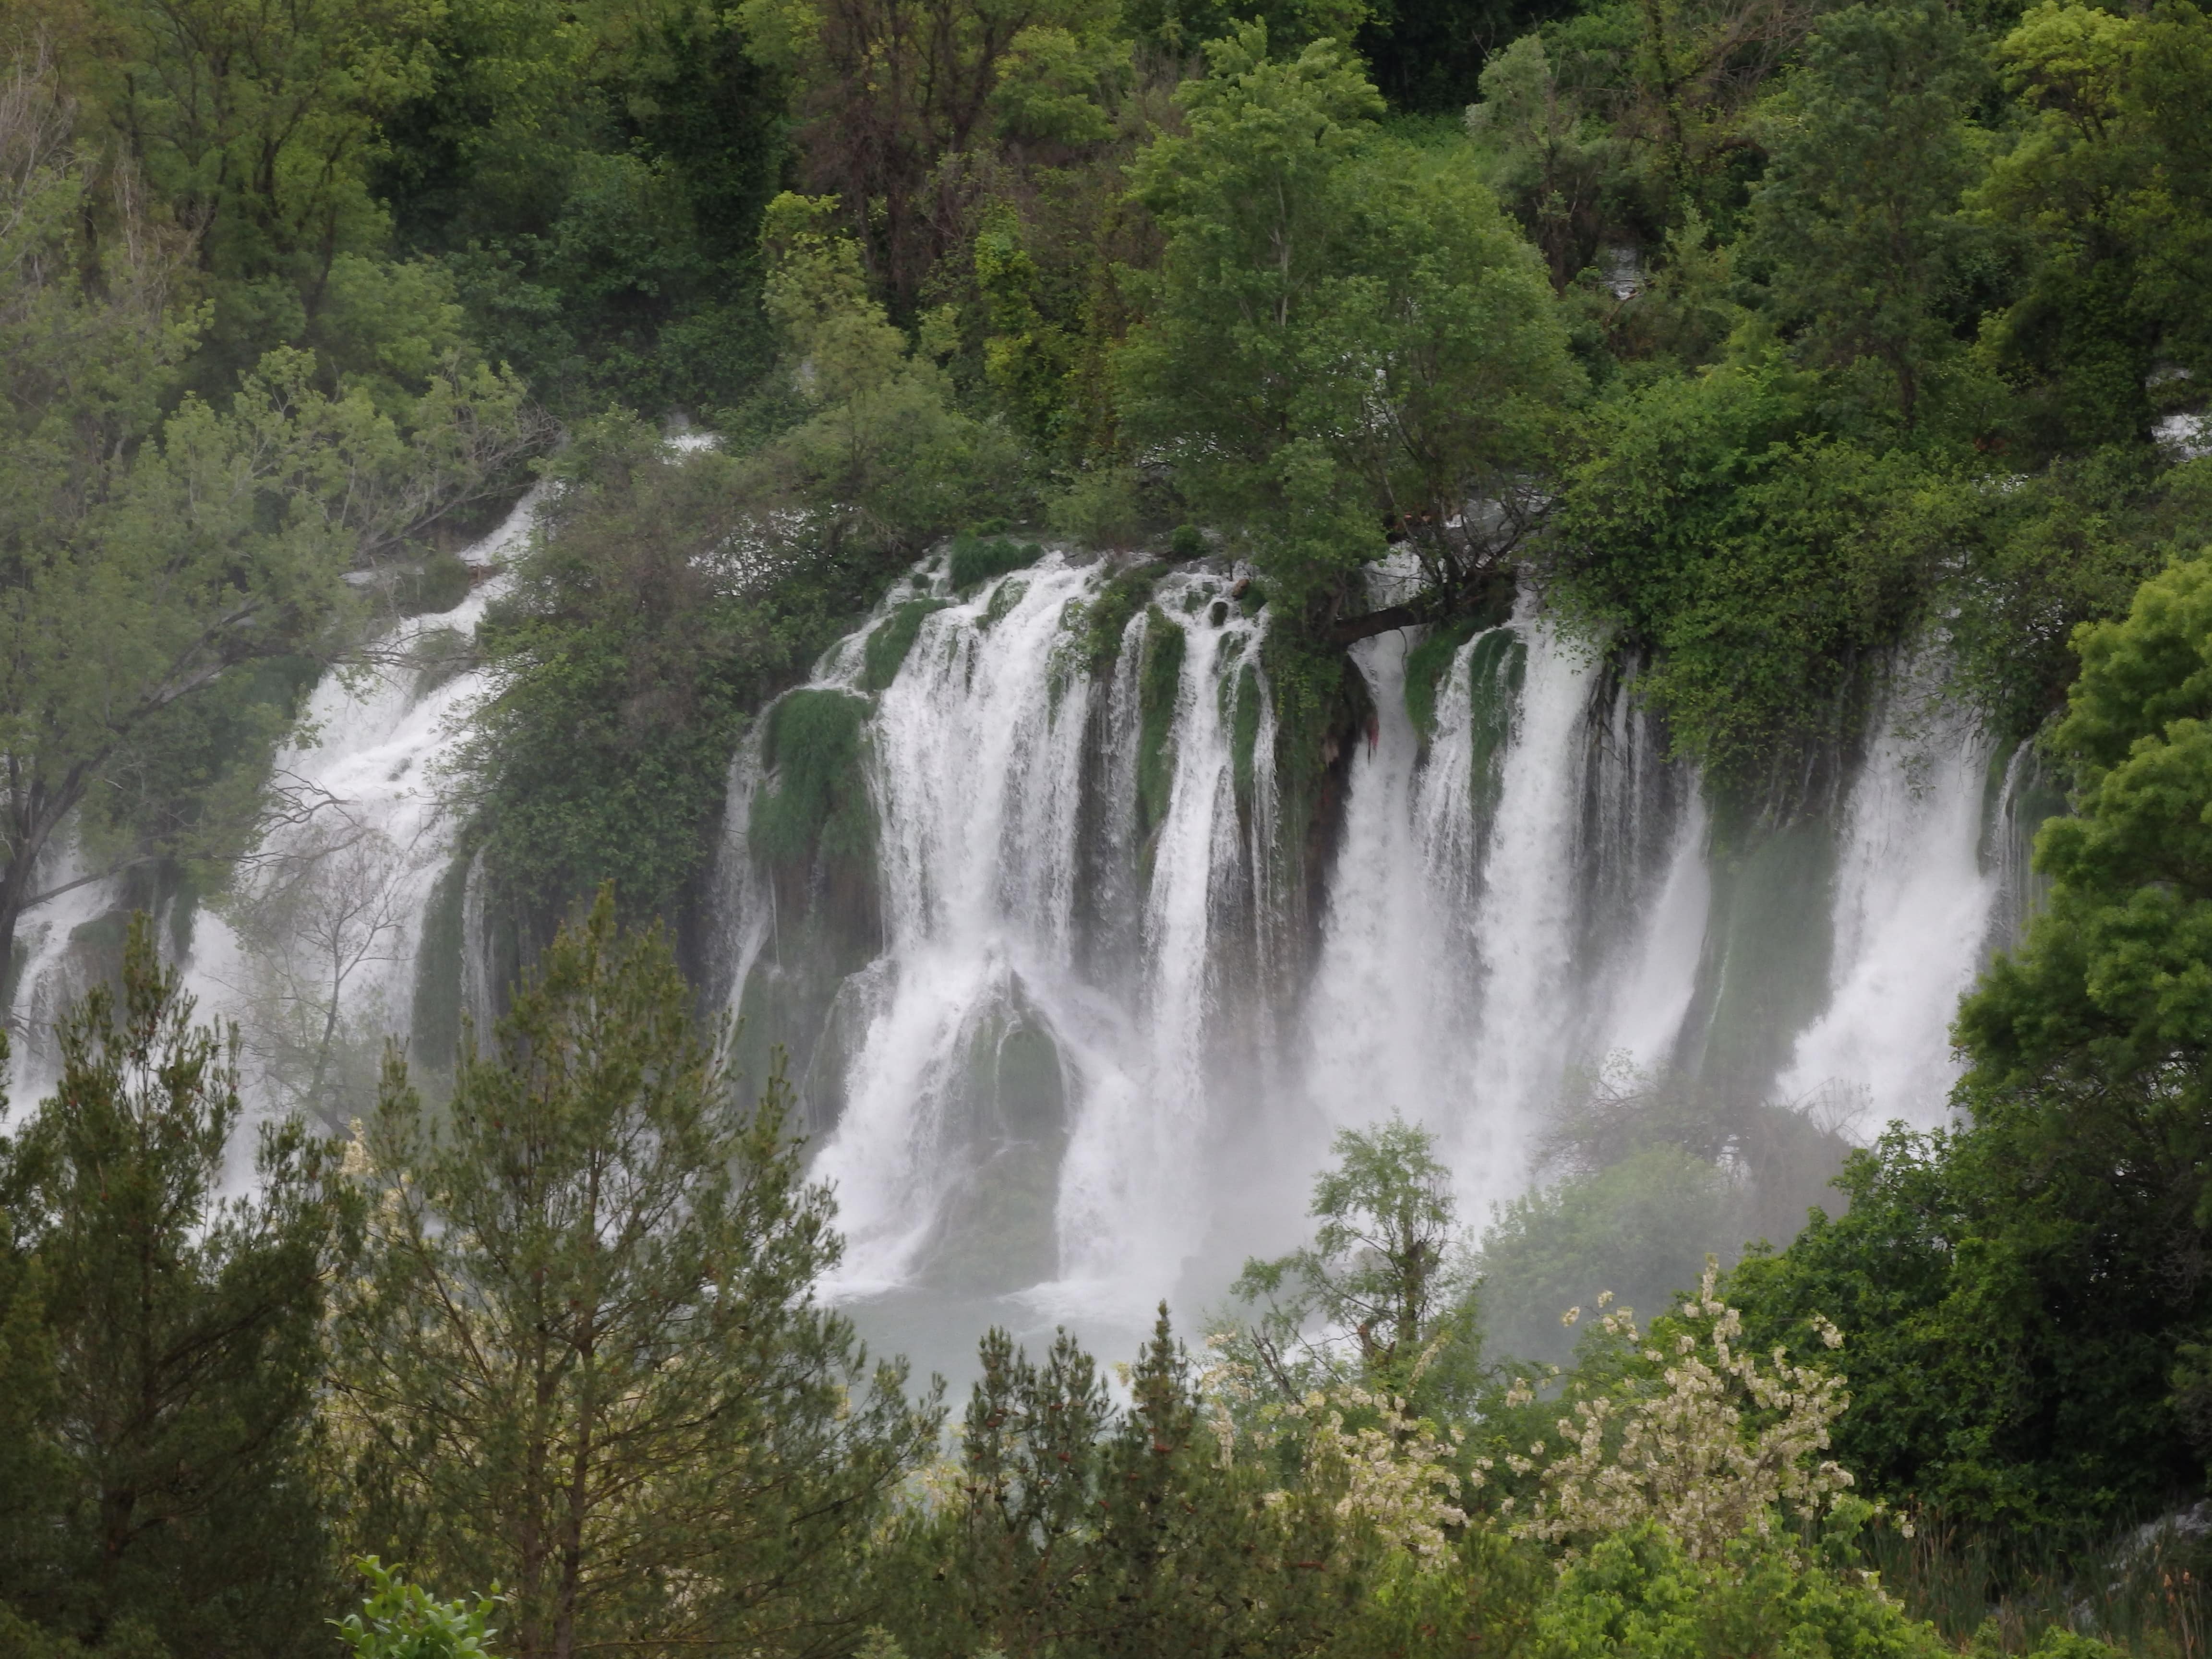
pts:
[1914, 895]
[317, 956]
[1105, 877]
[1096, 927]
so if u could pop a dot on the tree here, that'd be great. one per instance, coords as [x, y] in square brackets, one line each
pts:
[2111, 186]
[257, 128]
[319, 902]
[1346, 340]
[1384, 1295]
[585, 1362]
[151, 556]
[1069, 1527]
[592, 178]
[173, 1438]
[1555, 165]
[1859, 221]
[1638, 1590]
[899, 101]
[2089, 1047]
[881, 449]
[666, 594]
[1764, 557]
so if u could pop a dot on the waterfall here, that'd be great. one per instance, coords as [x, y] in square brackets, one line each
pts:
[55, 970]
[1075, 1067]
[1388, 1014]
[1914, 898]
[1524, 924]
[1021, 1093]
[319, 951]
[1074, 986]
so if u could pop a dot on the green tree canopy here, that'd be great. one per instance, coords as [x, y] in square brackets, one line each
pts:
[168, 1448]
[1347, 340]
[1384, 1297]
[1858, 223]
[584, 1361]
[2111, 186]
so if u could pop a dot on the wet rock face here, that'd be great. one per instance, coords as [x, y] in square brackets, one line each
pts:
[996, 1230]
[812, 832]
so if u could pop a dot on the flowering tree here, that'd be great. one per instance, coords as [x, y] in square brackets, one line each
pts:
[1719, 1442]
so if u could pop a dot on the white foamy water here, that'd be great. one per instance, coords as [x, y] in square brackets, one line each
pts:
[1200, 991]
[1391, 1010]
[316, 954]
[1525, 893]
[53, 974]
[978, 761]
[1912, 908]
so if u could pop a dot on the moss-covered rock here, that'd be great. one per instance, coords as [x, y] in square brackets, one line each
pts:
[1159, 686]
[813, 834]
[1426, 666]
[1497, 666]
[813, 802]
[973, 561]
[891, 640]
[433, 1037]
[1003, 599]
[1322, 710]
[1106, 615]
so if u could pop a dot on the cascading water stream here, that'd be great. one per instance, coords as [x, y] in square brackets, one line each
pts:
[983, 753]
[1059, 1034]
[1524, 923]
[1520, 889]
[319, 952]
[1913, 905]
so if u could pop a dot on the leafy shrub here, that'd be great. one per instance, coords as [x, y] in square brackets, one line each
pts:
[1717, 1446]
[400, 1620]
[973, 560]
[1640, 1592]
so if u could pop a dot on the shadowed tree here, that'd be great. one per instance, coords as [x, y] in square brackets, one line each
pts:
[585, 1362]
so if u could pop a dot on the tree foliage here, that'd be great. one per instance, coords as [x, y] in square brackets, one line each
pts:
[164, 1342]
[1384, 1295]
[1347, 341]
[585, 1362]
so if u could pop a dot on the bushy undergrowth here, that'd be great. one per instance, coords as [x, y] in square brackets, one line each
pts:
[971, 560]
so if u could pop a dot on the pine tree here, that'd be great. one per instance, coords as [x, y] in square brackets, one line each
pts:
[159, 1344]
[585, 1362]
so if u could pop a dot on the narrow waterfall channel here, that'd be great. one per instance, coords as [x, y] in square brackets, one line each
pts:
[348, 894]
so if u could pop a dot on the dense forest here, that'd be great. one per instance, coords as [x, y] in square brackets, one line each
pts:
[1760, 345]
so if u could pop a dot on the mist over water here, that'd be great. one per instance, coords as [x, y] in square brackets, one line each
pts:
[1072, 1027]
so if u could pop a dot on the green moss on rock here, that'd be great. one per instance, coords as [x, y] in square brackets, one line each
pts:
[1427, 664]
[891, 642]
[1105, 618]
[973, 560]
[1495, 669]
[1159, 684]
[1009, 594]
[815, 801]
